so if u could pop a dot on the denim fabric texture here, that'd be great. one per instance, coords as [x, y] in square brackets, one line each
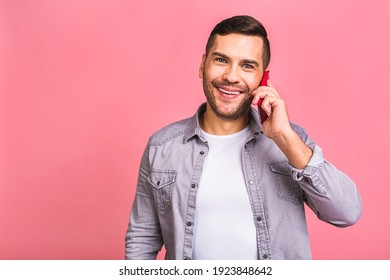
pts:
[163, 211]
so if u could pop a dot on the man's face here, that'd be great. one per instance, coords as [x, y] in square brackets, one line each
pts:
[231, 71]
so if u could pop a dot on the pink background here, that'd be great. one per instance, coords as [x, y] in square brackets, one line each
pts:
[83, 84]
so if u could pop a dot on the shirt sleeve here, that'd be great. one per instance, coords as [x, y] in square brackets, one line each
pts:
[330, 193]
[143, 238]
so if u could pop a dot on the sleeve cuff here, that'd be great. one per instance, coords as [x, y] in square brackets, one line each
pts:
[314, 163]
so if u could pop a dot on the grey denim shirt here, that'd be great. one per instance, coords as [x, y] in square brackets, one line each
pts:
[163, 211]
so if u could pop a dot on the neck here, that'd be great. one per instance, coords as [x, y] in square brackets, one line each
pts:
[213, 124]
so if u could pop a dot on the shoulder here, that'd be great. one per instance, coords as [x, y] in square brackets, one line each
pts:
[169, 132]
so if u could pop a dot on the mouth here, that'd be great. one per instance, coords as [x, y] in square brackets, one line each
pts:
[229, 92]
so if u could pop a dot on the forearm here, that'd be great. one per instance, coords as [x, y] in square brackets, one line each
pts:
[143, 238]
[296, 151]
[331, 194]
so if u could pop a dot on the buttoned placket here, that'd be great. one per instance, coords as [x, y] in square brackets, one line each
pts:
[256, 201]
[191, 205]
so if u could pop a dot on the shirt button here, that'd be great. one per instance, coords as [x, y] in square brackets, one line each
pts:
[193, 186]
[189, 224]
[201, 152]
[256, 133]
[251, 182]
[265, 256]
[258, 218]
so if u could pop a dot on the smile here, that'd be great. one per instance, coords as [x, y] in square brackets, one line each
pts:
[229, 92]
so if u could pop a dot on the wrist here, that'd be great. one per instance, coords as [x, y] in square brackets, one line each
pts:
[284, 136]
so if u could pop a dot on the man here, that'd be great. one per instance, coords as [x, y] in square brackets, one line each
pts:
[220, 185]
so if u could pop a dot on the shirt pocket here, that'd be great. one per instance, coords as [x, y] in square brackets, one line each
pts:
[286, 187]
[162, 182]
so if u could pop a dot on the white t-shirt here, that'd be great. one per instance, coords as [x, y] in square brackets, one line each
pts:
[224, 227]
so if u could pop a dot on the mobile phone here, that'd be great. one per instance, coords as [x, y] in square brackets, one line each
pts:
[263, 115]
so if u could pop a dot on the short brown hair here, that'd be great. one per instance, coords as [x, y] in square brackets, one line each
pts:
[245, 25]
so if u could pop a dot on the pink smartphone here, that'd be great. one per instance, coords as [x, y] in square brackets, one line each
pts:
[263, 115]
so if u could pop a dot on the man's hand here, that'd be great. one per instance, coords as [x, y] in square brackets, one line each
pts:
[278, 128]
[277, 121]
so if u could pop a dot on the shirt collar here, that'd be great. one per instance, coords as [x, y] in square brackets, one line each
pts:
[193, 128]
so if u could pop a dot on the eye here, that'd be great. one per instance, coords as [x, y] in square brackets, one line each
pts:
[220, 59]
[248, 66]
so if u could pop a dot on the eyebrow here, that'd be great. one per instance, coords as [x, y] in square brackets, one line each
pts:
[246, 61]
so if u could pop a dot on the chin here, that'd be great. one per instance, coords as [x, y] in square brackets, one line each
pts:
[232, 115]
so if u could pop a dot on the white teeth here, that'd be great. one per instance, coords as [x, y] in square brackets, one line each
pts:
[229, 92]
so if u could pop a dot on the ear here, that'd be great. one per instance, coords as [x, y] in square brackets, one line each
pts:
[201, 67]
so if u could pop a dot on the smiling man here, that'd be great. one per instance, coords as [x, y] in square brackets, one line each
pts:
[220, 185]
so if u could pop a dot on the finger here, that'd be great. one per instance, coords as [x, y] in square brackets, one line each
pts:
[262, 92]
[266, 105]
[269, 90]
[270, 103]
[259, 94]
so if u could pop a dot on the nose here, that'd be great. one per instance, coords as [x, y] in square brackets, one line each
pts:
[231, 74]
